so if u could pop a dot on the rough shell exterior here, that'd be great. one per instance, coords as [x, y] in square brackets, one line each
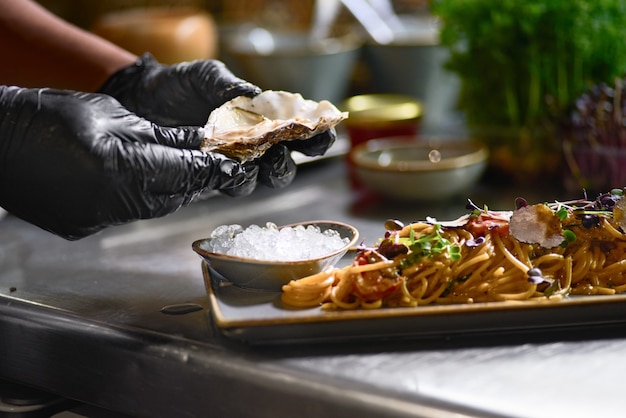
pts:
[244, 128]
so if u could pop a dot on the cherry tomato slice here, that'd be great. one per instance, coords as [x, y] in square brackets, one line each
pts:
[371, 285]
[374, 285]
[479, 225]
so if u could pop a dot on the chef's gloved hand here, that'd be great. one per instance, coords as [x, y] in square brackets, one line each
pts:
[318, 145]
[74, 163]
[176, 95]
[185, 94]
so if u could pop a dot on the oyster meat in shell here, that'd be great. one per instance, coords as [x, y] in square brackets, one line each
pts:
[245, 127]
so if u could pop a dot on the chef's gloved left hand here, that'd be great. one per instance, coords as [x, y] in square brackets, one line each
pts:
[186, 93]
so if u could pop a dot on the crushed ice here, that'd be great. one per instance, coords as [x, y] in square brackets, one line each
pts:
[274, 244]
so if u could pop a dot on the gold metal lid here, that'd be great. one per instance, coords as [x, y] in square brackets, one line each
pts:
[381, 109]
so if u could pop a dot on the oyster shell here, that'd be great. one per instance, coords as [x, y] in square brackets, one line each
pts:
[244, 128]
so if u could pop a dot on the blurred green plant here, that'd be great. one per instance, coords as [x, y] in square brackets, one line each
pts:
[523, 63]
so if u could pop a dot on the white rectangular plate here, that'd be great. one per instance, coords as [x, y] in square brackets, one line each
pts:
[258, 317]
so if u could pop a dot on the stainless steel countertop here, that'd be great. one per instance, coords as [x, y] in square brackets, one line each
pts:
[83, 319]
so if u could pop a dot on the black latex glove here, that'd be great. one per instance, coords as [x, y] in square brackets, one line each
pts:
[186, 93]
[176, 95]
[75, 163]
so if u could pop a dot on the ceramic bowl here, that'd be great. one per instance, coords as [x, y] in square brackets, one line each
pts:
[272, 275]
[292, 61]
[413, 63]
[402, 168]
[171, 34]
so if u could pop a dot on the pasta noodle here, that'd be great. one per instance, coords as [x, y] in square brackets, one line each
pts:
[479, 258]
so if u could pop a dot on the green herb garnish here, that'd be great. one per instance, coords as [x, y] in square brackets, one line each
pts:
[429, 245]
[452, 283]
[569, 236]
[562, 213]
[551, 289]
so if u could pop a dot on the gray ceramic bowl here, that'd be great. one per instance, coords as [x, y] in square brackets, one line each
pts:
[291, 61]
[413, 170]
[272, 275]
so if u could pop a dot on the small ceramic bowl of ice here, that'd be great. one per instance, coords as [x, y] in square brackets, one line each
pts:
[268, 257]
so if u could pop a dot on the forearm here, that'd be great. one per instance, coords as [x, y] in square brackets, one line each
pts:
[39, 49]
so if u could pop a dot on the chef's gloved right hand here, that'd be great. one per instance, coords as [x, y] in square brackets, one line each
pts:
[74, 163]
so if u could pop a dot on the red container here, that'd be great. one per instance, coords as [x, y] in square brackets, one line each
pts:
[360, 134]
[375, 116]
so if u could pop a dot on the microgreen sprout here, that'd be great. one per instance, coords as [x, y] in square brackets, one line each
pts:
[455, 252]
[588, 212]
[569, 236]
[453, 282]
[475, 242]
[430, 245]
[520, 202]
[476, 211]
[551, 289]
[562, 213]
[535, 275]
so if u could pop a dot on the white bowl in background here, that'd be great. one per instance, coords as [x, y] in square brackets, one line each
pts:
[319, 69]
[404, 168]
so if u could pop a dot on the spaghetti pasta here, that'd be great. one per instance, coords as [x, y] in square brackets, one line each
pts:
[480, 258]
